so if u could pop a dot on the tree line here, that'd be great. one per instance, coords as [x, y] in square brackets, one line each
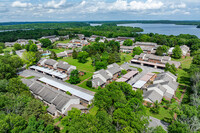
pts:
[19, 110]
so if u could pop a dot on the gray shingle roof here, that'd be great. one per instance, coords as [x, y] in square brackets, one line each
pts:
[114, 70]
[159, 86]
[63, 65]
[172, 84]
[104, 74]
[50, 62]
[36, 88]
[127, 67]
[153, 96]
[48, 95]
[61, 101]
[165, 76]
[27, 82]
[97, 81]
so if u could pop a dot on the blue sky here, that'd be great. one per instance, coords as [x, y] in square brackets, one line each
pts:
[84, 10]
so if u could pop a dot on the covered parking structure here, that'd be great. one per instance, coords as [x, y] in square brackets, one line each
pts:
[49, 72]
[145, 63]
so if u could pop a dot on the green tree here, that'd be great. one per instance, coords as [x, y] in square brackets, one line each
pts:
[171, 68]
[128, 42]
[45, 43]
[1, 49]
[16, 86]
[124, 72]
[160, 51]
[177, 127]
[53, 55]
[74, 77]
[177, 52]
[97, 39]
[29, 58]
[89, 83]
[33, 48]
[137, 51]
[14, 52]
[75, 54]
[196, 59]
[2, 45]
[100, 65]
[157, 129]
[82, 57]
[17, 46]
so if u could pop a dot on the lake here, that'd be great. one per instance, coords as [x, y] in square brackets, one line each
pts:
[167, 29]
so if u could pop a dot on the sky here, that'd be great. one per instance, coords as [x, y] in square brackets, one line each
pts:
[97, 10]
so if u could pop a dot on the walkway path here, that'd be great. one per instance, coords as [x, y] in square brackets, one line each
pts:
[84, 80]
[180, 100]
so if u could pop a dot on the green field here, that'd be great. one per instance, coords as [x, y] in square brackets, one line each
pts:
[65, 41]
[183, 75]
[86, 67]
[93, 110]
[86, 76]
[163, 113]
[56, 50]
[83, 85]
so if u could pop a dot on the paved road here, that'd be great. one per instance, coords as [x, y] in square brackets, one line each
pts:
[145, 71]
[156, 122]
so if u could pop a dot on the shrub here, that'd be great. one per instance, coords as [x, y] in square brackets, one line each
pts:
[89, 84]
[124, 72]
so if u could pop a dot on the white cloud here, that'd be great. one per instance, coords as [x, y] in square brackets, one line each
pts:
[20, 4]
[149, 4]
[181, 5]
[53, 4]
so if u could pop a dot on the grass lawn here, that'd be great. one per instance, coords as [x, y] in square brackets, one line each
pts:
[125, 58]
[83, 85]
[139, 69]
[86, 76]
[86, 67]
[163, 113]
[183, 76]
[156, 72]
[8, 49]
[179, 91]
[31, 77]
[56, 50]
[93, 110]
[65, 41]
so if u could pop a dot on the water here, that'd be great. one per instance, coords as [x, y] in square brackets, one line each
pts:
[45, 54]
[167, 29]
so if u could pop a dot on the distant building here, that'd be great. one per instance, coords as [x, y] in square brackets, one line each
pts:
[154, 60]
[164, 86]
[145, 44]
[144, 81]
[126, 49]
[60, 66]
[185, 50]
[67, 53]
[52, 38]
[104, 77]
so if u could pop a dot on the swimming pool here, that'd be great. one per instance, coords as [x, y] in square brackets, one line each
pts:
[45, 54]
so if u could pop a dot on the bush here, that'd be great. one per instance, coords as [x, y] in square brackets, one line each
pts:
[124, 72]
[89, 84]
[68, 93]
[173, 100]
